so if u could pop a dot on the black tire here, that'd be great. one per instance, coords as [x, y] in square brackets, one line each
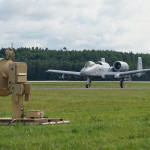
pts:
[121, 84]
[87, 85]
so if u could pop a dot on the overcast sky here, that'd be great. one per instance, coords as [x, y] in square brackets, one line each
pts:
[120, 25]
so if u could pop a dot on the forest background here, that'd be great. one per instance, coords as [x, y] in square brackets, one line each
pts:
[39, 60]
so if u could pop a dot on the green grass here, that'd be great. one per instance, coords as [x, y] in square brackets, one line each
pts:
[99, 118]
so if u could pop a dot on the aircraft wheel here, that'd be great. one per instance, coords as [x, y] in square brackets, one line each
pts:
[87, 85]
[122, 84]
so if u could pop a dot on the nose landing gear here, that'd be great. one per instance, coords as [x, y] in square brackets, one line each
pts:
[88, 82]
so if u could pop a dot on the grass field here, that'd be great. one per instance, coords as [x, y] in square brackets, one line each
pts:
[99, 118]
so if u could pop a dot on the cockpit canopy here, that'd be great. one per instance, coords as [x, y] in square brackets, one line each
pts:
[89, 64]
[103, 63]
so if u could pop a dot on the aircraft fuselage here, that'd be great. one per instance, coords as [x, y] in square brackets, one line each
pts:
[96, 71]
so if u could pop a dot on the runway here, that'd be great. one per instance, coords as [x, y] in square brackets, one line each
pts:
[87, 89]
[85, 81]
[96, 85]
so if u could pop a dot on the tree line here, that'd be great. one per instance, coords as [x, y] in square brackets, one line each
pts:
[39, 60]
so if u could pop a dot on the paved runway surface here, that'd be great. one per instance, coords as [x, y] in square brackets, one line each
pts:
[86, 88]
[71, 88]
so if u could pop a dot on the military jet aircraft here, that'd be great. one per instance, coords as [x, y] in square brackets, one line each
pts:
[119, 70]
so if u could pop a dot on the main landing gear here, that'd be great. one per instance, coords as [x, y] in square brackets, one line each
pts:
[88, 82]
[122, 83]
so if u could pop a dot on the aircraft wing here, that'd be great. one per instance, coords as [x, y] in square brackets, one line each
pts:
[121, 74]
[64, 72]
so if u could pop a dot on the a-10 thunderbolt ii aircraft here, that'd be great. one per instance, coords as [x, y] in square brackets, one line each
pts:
[119, 70]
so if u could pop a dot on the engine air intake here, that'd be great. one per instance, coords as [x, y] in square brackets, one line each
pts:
[120, 66]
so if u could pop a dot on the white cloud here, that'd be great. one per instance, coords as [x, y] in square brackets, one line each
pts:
[85, 24]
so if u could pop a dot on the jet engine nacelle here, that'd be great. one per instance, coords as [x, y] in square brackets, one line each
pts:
[120, 66]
